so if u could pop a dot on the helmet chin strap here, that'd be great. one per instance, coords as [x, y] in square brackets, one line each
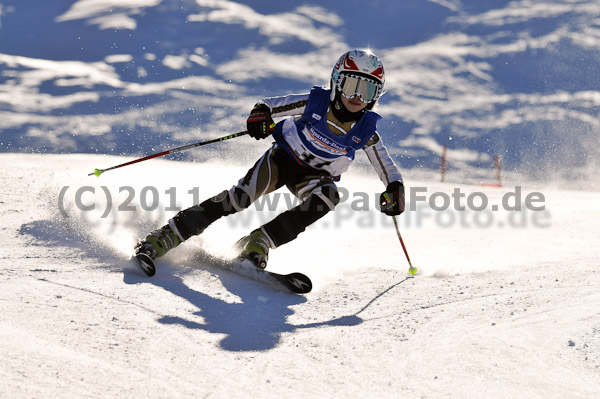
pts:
[342, 113]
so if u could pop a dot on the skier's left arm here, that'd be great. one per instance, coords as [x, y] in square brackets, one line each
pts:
[392, 201]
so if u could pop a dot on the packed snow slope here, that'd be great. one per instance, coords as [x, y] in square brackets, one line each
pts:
[506, 303]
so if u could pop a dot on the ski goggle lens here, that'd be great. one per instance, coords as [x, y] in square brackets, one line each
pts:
[367, 89]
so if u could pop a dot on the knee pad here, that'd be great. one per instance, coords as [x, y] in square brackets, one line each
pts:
[328, 195]
[240, 199]
[332, 193]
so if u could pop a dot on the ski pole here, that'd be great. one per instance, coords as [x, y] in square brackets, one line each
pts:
[385, 202]
[98, 172]
[411, 269]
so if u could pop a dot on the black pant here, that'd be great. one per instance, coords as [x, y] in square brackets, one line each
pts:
[273, 170]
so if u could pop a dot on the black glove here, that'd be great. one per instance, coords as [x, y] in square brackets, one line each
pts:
[392, 200]
[260, 124]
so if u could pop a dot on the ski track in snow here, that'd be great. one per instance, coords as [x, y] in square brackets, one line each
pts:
[494, 312]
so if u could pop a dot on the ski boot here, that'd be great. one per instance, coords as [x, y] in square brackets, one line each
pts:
[255, 247]
[156, 244]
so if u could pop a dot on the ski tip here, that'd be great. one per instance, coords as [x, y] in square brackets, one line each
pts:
[299, 283]
[146, 263]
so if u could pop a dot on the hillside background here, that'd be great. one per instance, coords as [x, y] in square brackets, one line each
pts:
[517, 79]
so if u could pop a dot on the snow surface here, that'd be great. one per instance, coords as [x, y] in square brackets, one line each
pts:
[505, 304]
[495, 311]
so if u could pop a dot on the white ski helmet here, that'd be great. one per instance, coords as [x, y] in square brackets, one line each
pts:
[358, 72]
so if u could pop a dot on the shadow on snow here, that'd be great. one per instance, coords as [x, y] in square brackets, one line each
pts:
[255, 324]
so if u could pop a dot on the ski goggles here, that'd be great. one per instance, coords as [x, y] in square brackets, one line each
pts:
[366, 89]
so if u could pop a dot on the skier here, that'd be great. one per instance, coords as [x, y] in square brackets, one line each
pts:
[312, 148]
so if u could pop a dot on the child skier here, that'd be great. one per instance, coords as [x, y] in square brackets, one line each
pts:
[310, 152]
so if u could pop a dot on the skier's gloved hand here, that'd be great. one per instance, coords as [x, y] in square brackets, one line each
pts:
[260, 124]
[392, 200]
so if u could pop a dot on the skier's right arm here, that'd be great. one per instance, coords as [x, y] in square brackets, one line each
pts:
[260, 121]
[293, 104]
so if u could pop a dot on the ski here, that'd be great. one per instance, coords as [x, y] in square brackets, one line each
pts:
[296, 283]
[146, 263]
